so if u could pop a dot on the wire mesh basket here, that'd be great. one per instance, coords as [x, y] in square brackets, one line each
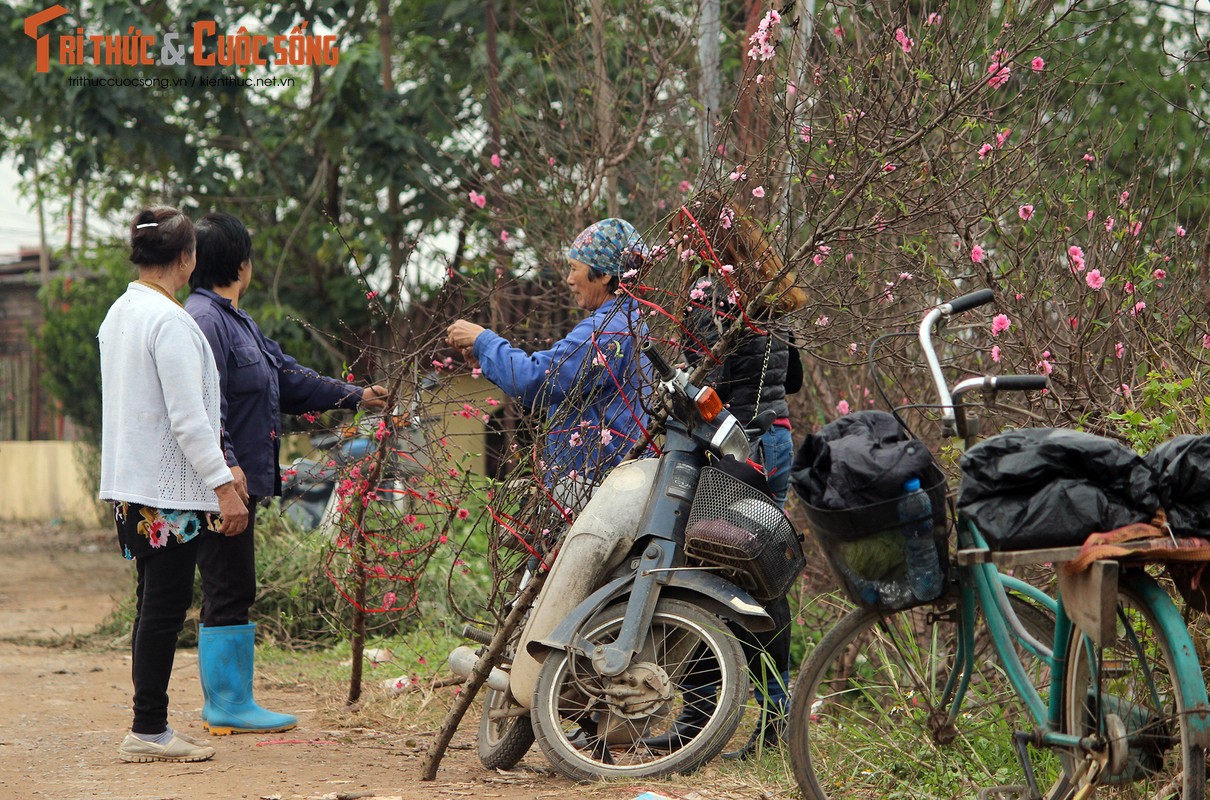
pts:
[866, 549]
[740, 530]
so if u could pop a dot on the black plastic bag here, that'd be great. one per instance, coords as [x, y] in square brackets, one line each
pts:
[1048, 487]
[857, 460]
[1182, 474]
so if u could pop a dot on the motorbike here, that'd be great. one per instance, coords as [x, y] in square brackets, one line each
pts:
[633, 623]
[309, 490]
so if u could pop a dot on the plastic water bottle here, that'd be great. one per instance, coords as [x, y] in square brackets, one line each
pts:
[893, 594]
[867, 590]
[920, 551]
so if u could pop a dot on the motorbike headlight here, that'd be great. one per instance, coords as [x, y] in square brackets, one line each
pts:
[730, 440]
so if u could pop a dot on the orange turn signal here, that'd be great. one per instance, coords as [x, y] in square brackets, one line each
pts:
[709, 404]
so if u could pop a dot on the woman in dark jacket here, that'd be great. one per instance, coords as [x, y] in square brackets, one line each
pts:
[259, 382]
[738, 289]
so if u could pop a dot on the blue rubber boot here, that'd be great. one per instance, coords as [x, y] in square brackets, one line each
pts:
[225, 655]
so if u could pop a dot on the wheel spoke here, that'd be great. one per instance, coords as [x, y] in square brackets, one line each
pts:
[593, 726]
[868, 718]
[1128, 694]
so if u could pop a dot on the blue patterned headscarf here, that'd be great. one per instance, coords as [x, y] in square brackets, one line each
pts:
[611, 246]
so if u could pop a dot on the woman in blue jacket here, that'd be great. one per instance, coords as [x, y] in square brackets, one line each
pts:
[588, 386]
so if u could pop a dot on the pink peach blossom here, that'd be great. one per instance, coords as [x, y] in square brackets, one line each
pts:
[1000, 323]
[1037, 65]
[1094, 279]
[1026, 212]
[842, 407]
[977, 254]
[999, 75]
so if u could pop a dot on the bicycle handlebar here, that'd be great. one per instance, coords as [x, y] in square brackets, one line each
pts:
[968, 301]
[1019, 383]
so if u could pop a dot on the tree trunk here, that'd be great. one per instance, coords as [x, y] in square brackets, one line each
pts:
[43, 252]
[602, 97]
[710, 85]
[752, 112]
[394, 215]
[501, 308]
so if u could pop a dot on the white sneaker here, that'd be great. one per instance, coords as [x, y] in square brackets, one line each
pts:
[140, 751]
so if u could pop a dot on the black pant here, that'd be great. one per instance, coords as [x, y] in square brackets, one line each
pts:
[775, 642]
[228, 568]
[163, 596]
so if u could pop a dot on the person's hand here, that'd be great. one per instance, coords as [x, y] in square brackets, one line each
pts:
[462, 334]
[468, 355]
[241, 483]
[233, 510]
[374, 398]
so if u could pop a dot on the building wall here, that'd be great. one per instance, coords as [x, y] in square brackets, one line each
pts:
[44, 482]
[26, 410]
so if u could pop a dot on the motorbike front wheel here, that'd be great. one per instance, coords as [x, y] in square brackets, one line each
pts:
[590, 726]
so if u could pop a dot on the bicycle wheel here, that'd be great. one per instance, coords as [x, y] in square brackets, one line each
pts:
[593, 727]
[1139, 697]
[867, 720]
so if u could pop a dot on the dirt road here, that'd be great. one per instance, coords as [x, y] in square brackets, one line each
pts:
[64, 708]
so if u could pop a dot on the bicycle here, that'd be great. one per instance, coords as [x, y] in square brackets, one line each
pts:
[902, 703]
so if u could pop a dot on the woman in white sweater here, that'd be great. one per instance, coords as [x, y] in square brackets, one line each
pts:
[162, 466]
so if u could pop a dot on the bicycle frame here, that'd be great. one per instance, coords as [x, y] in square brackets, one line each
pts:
[981, 586]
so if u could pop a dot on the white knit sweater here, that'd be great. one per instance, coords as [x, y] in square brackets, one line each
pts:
[160, 415]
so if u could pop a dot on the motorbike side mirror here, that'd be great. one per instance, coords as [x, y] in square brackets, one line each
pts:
[761, 423]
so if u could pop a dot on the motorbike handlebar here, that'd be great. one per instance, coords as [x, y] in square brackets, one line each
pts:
[661, 366]
[971, 300]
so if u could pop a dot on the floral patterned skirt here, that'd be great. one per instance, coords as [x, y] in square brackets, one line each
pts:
[143, 530]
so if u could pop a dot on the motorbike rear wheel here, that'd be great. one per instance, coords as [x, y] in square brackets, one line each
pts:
[592, 727]
[503, 741]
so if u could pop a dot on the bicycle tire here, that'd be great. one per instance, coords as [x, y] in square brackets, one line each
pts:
[859, 729]
[1155, 764]
[683, 643]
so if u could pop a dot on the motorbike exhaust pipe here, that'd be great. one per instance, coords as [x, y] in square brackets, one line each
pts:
[462, 662]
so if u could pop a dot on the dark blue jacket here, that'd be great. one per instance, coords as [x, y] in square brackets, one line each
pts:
[259, 384]
[589, 387]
